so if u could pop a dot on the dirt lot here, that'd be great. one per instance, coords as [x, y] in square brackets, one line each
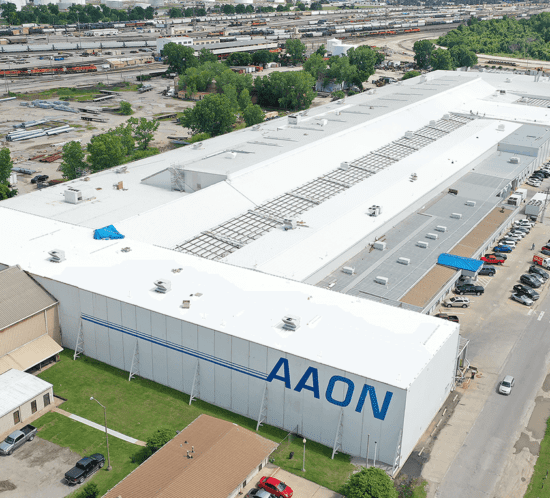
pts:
[36, 469]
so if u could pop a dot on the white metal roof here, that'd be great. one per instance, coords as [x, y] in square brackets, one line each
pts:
[388, 347]
[16, 388]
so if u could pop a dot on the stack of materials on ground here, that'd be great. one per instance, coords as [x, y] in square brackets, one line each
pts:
[58, 105]
[17, 136]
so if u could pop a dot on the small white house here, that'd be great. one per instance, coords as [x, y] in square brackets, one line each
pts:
[179, 40]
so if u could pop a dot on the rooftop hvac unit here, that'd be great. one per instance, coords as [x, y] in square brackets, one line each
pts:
[293, 119]
[446, 116]
[381, 280]
[458, 216]
[432, 122]
[404, 261]
[422, 244]
[74, 196]
[231, 155]
[289, 224]
[348, 269]
[344, 166]
[501, 127]
[380, 246]
[441, 228]
[323, 122]
[470, 203]
[256, 127]
[162, 286]
[432, 236]
[374, 211]
[515, 160]
[57, 255]
[123, 169]
[409, 134]
[291, 322]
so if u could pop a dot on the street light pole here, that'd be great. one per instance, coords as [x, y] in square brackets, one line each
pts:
[304, 458]
[106, 433]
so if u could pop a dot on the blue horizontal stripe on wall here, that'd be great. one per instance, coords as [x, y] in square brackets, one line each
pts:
[176, 347]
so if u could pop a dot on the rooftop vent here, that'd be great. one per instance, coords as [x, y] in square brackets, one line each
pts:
[446, 116]
[323, 122]
[348, 270]
[372, 91]
[57, 255]
[374, 211]
[231, 155]
[344, 166]
[289, 224]
[432, 122]
[162, 286]
[186, 304]
[515, 160]
[256, 127]
[291, 322]
[413, 177]
[409, 134]
[293, 119]
[501, 127]
[123, 169]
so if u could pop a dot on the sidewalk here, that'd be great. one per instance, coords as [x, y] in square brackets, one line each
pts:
[99, 427]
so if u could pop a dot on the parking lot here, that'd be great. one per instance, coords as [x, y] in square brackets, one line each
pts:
[36, 469]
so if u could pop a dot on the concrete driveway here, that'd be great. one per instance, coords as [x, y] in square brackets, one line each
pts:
[302, 487]
[36, 469]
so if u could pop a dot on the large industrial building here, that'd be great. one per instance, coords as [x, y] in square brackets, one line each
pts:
[287, 271]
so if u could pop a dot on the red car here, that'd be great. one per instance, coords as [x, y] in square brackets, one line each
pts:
[492, 259]
[276, 487]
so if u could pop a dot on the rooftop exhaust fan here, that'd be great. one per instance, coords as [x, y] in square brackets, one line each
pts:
[374, 211]
[291, 322]
[57, 255]
[162, 286]
[289, 224]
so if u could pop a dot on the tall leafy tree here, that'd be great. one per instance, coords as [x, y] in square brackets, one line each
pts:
[290, 90]
[239, 59]
[316, 65]
[462, 57]
[253, 114]
[364, 59]
[441, 59]
[422, 53]
[106, 151]
[179, 57]
[206, 55]
[143, 131]
[73, 164]
[213, 115]
[296, 50]
[244, 99]
[6, 164]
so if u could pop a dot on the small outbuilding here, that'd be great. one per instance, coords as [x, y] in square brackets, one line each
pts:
[21, 396]
[210, 458]
[30, 335]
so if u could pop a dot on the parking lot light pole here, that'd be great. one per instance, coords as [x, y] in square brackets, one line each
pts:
[304, 459]
[106, 433]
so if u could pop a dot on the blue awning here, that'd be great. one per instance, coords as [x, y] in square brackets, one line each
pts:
[459, 262]
[107, 233]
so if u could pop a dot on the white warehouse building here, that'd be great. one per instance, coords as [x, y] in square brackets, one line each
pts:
[219, 288]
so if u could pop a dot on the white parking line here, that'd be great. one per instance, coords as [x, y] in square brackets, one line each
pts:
[540, 316]
[530, 312]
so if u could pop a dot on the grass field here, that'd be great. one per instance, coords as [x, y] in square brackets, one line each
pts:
[85, 440]
[74, 94]
[140, 407]
[539, 487]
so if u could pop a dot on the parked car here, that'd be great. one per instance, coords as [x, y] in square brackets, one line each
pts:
[523, 289]
[259, 493]
[506, 385]
[451, 318]
[533, 183]
[84, 468]
[523, 299]
[502, 248]
[457, 302]
[39, 178]
[469, 289]
[517, 236]
[545, 248]
[276, 487]
[525, 229]
[530, 281]
[538, 277]
[508, 242]
[524, 222]
[487, 270]
[498, 256]
[493, 259]
[17, 438]
[546, 252]
[538, 270]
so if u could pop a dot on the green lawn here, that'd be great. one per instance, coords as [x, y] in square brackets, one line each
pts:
[139, 407]
[539, 487]
[85, 440]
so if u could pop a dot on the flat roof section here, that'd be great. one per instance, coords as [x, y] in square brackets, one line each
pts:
[428, 286]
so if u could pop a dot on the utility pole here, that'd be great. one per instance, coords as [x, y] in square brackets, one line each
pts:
[543, 212]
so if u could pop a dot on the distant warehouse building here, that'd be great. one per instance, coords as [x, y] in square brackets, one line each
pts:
[287, 271]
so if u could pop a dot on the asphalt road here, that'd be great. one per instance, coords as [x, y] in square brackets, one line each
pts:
[524, 335]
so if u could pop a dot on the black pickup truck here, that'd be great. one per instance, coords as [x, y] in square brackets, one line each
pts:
[84, 468]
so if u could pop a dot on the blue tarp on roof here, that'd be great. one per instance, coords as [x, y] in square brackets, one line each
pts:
[459, 262]
[107, 233]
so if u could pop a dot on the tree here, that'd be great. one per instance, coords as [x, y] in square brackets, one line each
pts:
[441, 59]
[315, 65]
[295, 49]
[73, 164]
[179, 57]
[244, 100]
[126, 108]
[240, 9]
[253, 114]
[410, 74]
[262, 57]
[6, 192]
[174, 13]
[239, 59]
[370, 483]
[228, 9]
[289, 90]
[422, 53]
[91, 490]
[125, 133]
[364, 59]
[213, 115]
[106, 151]
[462, 57]
[6, 164]
[159, 438]
[321, 51]
[301, 7]
[144, 131]
[206, 55]
[316, 6]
